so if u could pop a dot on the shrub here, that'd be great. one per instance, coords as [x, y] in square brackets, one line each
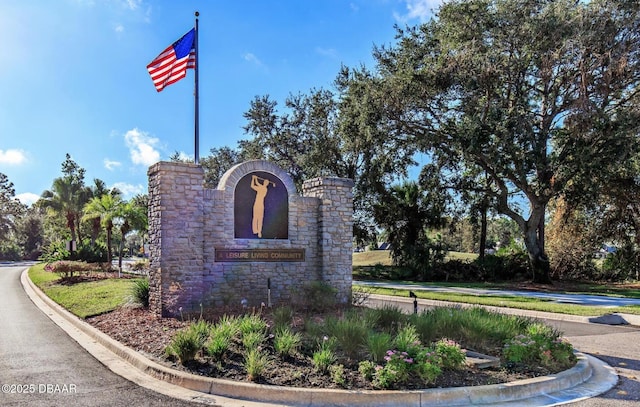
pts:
[388, 317]
[367, 369]
[419, 256]
[337, 375]
[286, 342]
[458, 270]
[400, 367]
[322, 359]
[407, 338]
[201, 329]
[252, 340]
[221, 336]
[621, 265]
[251, 323]
[521, 349]
[185, 345]
[428, 365]
[96, 253]
[255, 363]
[10, 251]
[54, 251]
[451, 355]
[140, 292]
[509, 263]
[395, 371]
[350, 335]
[66, 269]
[139, 265]
[559, 356]
[317, 296]
[282, 317]
[377, 344]
[539, 344]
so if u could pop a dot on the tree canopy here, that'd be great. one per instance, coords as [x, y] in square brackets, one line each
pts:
[10, 207]
[542, 96]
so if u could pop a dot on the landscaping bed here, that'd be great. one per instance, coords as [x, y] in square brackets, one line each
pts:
[139, 329]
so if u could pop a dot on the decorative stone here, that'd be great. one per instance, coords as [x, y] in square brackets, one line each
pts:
[188, 223]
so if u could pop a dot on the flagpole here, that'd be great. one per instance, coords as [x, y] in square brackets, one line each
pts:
[196, 97]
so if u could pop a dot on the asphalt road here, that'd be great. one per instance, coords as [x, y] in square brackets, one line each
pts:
[40, 365]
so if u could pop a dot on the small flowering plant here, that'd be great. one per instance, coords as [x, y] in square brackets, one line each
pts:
[396, 370]
[521, 349]
[452, 356]
[400, 367]
[560, 355]
[548, 350]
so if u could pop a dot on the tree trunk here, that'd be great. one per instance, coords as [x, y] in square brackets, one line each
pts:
[483, 232]
[537, 257]
[109, 258]
[71, 225]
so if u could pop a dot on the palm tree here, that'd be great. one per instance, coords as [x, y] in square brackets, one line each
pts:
[65, 198]
[406, 212]
[98, 189]
[106, 208]
[133, 217]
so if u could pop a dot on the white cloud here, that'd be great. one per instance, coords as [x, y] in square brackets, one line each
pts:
[142, 147]
[327, 52]
[132, 4]
[418, 9]
[28, 198]
[129, 190]
[249, 57]
[118, 28]
[182, 156]
[110, 164]
[12, 157]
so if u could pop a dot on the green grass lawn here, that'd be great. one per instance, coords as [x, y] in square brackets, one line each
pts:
[379, 261]
[90, 298]
[525, 303]
[83, 299]
[383, 257]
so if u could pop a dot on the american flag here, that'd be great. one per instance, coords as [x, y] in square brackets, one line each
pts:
[172, 64]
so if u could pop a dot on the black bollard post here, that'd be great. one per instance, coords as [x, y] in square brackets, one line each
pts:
[415, 301]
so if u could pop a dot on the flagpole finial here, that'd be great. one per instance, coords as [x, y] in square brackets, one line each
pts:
[197, 13]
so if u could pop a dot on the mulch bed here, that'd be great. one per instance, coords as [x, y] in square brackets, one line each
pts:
[148, 334]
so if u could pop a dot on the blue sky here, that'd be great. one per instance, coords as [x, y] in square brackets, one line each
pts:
[73, 76]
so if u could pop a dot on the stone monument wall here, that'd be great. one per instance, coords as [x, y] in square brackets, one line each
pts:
[253, 239]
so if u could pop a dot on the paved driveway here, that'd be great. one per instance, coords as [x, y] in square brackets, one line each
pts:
[40, 365]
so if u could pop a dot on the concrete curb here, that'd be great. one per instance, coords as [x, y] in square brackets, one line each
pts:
[577, 381]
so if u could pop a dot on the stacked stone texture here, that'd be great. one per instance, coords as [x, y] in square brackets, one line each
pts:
[335, 231]
[187, 223]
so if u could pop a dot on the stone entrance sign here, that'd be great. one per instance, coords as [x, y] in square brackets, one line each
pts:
[215, 247]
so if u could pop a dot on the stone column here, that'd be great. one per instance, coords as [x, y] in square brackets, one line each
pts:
[176, 241]
[335, 231]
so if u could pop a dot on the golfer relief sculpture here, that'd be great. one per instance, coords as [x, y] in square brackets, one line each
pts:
[261, 210]
[254, 234]
[259, 185]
